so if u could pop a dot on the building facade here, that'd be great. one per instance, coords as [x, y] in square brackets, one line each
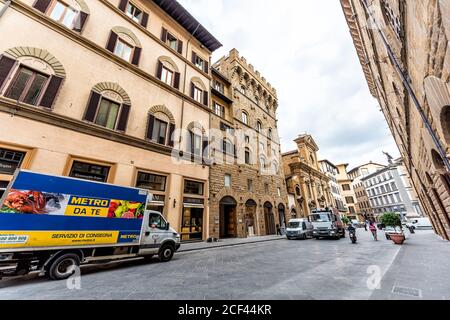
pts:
[111, 91]
[247, 189]
[363, 208]
[332, 173]
[347, 191]
[306, 183]
[390, 190]
[404, 52]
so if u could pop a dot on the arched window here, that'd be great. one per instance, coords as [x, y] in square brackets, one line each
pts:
[30, 75]
[242, 89]
[445, 123]
[245, 117]
[70, 13]
[298, 191]
[124, 44]
[248, 157]
[199, 92]
[134, 12]
[195, 140]
[258, 126]
[108, 106]
[275, 167]
[311, 158]
[161, 126]
[167, 71]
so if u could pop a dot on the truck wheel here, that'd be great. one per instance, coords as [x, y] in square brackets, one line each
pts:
[62, 267]
[166, 253]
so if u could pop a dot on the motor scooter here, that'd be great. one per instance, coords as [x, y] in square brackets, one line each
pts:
[352, 235]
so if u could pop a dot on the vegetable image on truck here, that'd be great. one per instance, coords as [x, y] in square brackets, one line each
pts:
[44, 218]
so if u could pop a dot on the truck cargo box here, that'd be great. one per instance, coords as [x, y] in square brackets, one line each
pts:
[39, 211]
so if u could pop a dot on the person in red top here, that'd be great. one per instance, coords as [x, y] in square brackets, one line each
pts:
[373, 229]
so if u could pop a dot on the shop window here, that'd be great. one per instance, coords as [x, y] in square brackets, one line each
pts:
[10, 160]
[193, 187]
[192, 224]
[151, 182]
[3, 186]
[88, 171]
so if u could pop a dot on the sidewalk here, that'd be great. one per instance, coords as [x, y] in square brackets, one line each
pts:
[196, 246]
[420, 270]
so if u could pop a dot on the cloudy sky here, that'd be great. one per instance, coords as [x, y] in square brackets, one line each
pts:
[303, 48]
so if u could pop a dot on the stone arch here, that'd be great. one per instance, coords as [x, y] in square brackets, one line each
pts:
[112, 86]
[196, 126]
[438, 98]
[162, 109]
[44, 55]
[83, 6]
[167, 61]
[438, 162]
[122, 30]
[199, 82]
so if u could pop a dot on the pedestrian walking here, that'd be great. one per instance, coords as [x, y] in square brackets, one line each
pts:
[373, 229]
[365, 225]
[278, 230]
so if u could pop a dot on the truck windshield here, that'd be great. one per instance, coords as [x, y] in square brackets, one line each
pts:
[294, 225]
[322, 217]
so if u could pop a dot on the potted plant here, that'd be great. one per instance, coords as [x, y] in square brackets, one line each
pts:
[393, 220]
[345, 221]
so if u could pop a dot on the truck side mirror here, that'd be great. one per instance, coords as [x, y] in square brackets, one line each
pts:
[168, 226]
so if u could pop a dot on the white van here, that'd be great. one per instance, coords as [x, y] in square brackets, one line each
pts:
[299, 229]
[421, 223]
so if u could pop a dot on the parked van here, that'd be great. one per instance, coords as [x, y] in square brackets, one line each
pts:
[299, 229]
[420, 223]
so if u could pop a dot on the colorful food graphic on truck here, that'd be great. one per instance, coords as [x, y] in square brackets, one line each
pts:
[43, 210]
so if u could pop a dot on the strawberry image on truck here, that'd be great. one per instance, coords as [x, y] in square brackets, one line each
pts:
[52, 224]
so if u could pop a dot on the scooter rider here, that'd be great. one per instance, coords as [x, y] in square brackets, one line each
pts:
[351, 230]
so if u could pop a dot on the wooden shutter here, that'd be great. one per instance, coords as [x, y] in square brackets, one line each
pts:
[176, 80]
[123, 118]
[42, 5]
[92, 106]
[206, 67]
[51, 92]
[136, 56]
[192, 90]
[151, 122]
[164, 35]
[81, 20]
[180, 47]
[194, 57]
[6, 65]
[144, 21]
[205, 98]
[171, 132]
[205, 148]
[159, 70]
[123, 5]
[112, 41]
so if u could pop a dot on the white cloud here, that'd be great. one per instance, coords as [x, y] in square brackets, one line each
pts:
[304, 49]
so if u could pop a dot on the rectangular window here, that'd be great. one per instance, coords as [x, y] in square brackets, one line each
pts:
[279, 192]
[346, 187]
[352, 210]
[3, 186]
[159, 133]
[227, 180]
[88, 171]
[393, 186]
[167, 76]
[218, 86]
[391, 196]
[172, 41]
[10, 160]
[196, 144]
[227, 147]
[250, 185]
[123, 50]
[107, 114]
[193, 187]
[151, 182]
[63, 13]
[349, 200]
[219, 110]
[247, 139]
[134, 13]
[199, 62]
[27, 86]
[198, 94]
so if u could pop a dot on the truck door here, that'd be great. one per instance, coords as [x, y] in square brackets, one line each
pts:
[155, 233]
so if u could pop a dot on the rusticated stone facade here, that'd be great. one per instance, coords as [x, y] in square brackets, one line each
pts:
[404, 50]
[247, 189]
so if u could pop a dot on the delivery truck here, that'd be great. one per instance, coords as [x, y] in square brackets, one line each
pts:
[54, 224]
[327, 224]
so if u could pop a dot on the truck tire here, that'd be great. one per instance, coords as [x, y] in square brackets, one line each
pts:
[61, 267]
[166, 253]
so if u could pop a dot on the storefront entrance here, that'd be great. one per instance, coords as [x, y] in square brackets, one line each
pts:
[228, 218]
[192, 228]
[250, 213]
[282, 216]
[269, 219]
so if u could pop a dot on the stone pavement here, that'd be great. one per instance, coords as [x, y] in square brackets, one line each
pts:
[419, 271]
[196, 246]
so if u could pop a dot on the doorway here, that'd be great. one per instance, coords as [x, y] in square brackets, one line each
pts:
[228, 218]
[269, 219]
[282, 215]
[250, 213]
